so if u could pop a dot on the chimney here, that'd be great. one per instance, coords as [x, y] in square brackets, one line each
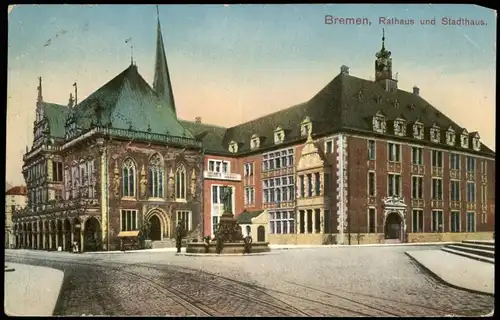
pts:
[197, 120]
[416, 90]
[344, 69]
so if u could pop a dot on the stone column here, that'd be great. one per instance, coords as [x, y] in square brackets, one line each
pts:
[321, 185]
[322, 220]
[298, 187]
[306, 216]
[313, 219]
[44, 236]
[313, 183]
[64, 240]
[82, 233]
[72, 234]
[56, 234]
[32, 239]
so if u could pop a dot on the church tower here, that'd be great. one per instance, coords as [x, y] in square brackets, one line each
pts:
[161, 82]
[383, 68]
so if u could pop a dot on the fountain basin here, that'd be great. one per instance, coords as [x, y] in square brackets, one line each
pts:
[228, 247]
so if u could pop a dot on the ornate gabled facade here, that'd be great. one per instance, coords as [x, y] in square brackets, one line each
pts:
[116, 163]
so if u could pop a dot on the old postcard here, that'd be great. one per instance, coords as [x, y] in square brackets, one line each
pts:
[250, 160]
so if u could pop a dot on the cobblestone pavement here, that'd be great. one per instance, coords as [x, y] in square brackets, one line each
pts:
[373, 281]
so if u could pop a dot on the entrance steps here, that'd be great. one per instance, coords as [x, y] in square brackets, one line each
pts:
[473, 249]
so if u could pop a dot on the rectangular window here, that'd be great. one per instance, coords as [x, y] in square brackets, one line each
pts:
[484, 194]
[484, 167]
[329, 147]
[394, 152]
[471, 164]
[371, 184]
[371, 149]
[273, 189]
[317, 181]
[455, 190]
[437, 159]
[372, 226]
[437, 221]
[471, 192]
[309, 185]
[277, 160]
[471, 222]
[394, 185]
[454, 161]
[215, 194]
[58, 171]
[128, 220]
[219, 166]
[417, 187]
[417, 221]
[282, 222]
[249, 169]
[184, 219]
[249, 196]
[437, 189]
[417, 156]
[302, 186]
[455, 221]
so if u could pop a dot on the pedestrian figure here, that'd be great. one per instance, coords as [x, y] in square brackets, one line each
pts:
[178, 236]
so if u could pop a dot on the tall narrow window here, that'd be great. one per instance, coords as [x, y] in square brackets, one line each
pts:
[484, 167]
[484, 194]
[371, 149]
[455, 190]
[155, 178]
[417, 221]
[372, 220]
[471, 192]
[417, 156]
[471, 164]
[454, 161]
[394, 185]
[329, 147]
[417, 187]
[455, 221]
[371, 184]
[437, 158]
[302, 186]
[437, 189]
[180, 185]
[309, 185]
[317, 186]
[437, 221]
[394, 152]
[128, 176]
[471, 222]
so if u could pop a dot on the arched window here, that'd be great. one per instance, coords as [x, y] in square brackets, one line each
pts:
[180, 183]
[155, 176]
[128, 173]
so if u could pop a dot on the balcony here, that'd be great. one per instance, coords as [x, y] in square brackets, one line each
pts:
[222, 175]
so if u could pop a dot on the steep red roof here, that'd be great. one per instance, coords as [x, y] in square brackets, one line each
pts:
[17, 191]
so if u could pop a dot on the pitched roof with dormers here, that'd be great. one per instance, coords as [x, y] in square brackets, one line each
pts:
[347, 103]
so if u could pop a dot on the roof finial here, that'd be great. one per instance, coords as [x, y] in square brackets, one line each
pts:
[76, 93]
[40, 97]
[70, 102]
[383, 39]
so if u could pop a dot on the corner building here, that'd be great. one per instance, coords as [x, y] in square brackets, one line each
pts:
[360, 162]
[101, 169]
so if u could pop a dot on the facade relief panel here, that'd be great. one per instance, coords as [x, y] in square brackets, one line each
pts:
[437, 172]
[417, 203]
[394, 166]
[417, 169]
[437, 204]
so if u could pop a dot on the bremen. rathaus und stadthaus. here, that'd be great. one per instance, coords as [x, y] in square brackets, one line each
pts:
[362, 161]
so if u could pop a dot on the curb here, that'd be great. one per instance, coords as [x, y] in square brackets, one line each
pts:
[441, 280]
[295, 247]
[226, 254]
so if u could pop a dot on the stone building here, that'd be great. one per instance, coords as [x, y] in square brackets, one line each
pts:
[360, 162]
[100, 169]
[15, 199]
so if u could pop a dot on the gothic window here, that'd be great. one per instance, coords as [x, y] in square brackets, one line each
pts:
[476, 143]
[305, 127]
[128, 176]
[418, 130]
[379, 124]
[279, 135]
[400, 127]
[435, 134]
[155, 176]
[180, 183]
[464, 139]
[450, 137]
[233, 147]
[254, 142]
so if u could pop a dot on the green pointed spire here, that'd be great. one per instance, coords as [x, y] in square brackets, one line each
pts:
[161, 84]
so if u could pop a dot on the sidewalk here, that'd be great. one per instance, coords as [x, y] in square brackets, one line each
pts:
[31, 290]
[457, 271]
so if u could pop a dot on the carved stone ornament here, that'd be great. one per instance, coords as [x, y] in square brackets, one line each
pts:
[171, 184]
[143, 182]
[116, 181]
[193, 183]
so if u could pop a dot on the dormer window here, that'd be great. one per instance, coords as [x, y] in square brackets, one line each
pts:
[418, 130]
[464, 139]
[254, 142]
[435, 133]
[305, 127]
[400, 127]
[379, 124]
[476, 143]
[450, 137]
[279, 135]
[233, 147]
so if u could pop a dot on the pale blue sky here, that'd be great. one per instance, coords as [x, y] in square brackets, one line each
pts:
[252, 59]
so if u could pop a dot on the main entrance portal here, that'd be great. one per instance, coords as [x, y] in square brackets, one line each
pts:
[155, 231]
[393, 226]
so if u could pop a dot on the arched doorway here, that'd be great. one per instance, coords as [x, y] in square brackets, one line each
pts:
[92, 235]
[261, 234]
[155, 228]
[393, 229]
